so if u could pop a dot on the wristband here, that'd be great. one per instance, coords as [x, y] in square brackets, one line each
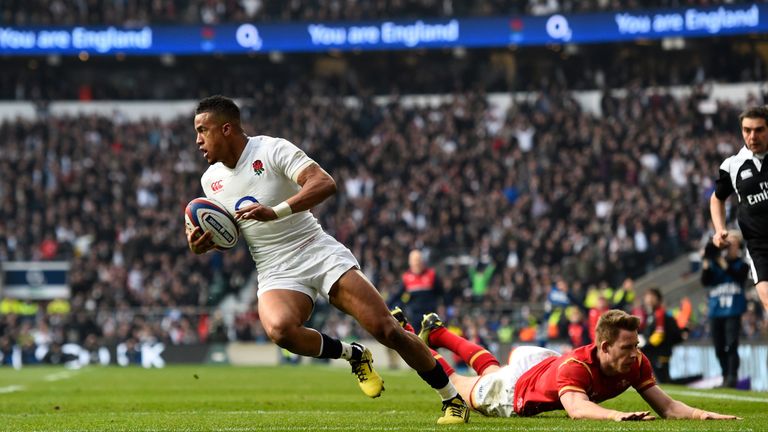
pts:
[282, 210]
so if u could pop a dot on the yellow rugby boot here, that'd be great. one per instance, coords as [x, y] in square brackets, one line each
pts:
[369, 380]
[399, 316]
[430, 322]
[455, 411]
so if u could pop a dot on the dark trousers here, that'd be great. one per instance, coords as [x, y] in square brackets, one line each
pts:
[416, 312]
[725, 336]
[659, 358]
[660, 364]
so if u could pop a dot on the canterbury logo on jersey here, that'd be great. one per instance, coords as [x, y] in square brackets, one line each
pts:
[217, 186]
[746, 174]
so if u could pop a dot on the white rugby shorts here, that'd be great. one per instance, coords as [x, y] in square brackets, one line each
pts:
[313, 269]
[493, 394]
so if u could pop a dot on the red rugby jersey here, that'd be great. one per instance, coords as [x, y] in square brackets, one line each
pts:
[539, 389]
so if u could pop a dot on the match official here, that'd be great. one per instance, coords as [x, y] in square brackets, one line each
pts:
[745, 173]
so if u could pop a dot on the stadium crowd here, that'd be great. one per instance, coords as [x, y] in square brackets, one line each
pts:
[543, 198]
[141, 12]
[108, 195]
[587, 67]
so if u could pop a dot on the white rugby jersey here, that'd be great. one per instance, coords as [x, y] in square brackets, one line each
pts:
[266, 173]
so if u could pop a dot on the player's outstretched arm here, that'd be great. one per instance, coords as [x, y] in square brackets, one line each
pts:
[316, 186]
[578, 406]
[669, 408]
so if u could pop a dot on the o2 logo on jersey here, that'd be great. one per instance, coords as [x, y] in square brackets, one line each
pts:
[245, 201]
[217, 186]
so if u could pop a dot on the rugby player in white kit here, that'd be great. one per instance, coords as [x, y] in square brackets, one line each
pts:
[270, 184]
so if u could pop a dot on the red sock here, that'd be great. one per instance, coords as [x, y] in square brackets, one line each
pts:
[477, 357]
[446, 367]
[449, 370]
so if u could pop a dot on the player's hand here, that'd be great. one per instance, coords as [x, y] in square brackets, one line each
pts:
[720, 239]
[634, 416]
[200, 242]
[257, 212]
[708, 415]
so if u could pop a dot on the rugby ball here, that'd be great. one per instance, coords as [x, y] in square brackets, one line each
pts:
[210, 215]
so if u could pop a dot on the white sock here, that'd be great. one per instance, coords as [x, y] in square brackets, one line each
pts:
[346, 351]
[448, 392]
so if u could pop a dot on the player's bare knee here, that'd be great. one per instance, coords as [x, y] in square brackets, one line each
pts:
[281, 334]
[388, 333]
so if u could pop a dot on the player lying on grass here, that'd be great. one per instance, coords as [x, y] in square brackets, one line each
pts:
[538, 379]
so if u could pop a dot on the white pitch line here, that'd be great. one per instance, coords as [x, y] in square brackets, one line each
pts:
[261, 428]
[58, 376]
[11, 389]
[505, 428]
[213, 412]
[718, 396]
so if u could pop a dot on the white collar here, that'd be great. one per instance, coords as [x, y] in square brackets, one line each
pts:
[747, 154]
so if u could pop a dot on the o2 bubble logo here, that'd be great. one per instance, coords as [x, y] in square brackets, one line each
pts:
[35, 278]
[245, 201]
[247, 36]
[558, 28]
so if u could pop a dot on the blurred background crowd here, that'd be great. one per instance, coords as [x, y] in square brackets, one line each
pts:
[533, 215]
[546, 195]
[582, 67]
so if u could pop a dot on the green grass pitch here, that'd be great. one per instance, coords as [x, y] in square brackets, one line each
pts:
[292, 398]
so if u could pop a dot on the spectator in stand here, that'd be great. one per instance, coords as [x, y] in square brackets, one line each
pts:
[557, 303]
[601, 307]
[624, 297]
[725, 277]
[578, 331]
[661, 334]
[751, 323]
[7, 350]
[420, 288]
[480, 274]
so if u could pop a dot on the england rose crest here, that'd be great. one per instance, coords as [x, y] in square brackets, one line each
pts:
[258, 167]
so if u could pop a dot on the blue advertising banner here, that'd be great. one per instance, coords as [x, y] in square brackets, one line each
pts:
[387, 35]
[35, 280]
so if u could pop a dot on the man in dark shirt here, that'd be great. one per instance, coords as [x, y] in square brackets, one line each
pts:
[661, 334]
[420, 289]
[725, 277]
[746, 174]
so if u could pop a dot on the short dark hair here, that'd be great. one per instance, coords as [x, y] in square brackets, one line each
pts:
[656, 293]
[220, 106]
[611, 322]
[754, 112]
